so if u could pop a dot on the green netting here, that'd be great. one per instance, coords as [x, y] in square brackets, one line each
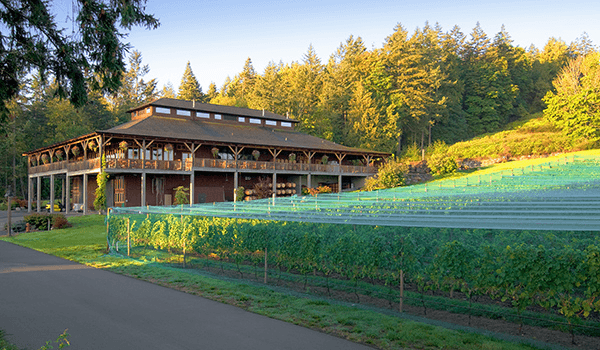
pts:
[526, 235]
[559, 195]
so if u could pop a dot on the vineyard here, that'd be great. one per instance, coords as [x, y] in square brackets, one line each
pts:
[523, 236]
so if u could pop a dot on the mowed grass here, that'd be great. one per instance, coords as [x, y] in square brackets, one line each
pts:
[85, 242]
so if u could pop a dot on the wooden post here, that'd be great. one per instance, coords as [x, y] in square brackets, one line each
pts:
[9, 227]
[128, 241]
[401, 290]
[265, 265]
[39, 194]
[107, 242]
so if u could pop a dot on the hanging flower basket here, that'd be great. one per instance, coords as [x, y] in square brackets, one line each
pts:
[256, 154]
[60, 154]
[34, 162]
[92, 146]
[292, 157]
[75, 150]
[215, 152]
[123, 146]
[45, 158]
[324, 159]
[168, 147]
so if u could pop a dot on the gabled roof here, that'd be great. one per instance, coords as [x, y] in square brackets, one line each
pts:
[210, 132]
[211, 108]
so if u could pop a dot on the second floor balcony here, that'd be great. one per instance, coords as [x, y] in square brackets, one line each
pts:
[200, 164]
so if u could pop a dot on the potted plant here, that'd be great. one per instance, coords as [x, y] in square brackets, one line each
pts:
[292, 157]
[215, 152]
[123, 145]
[256, 154]
[324, 159]
[45, 158]
[92, 146]
[168, 147]
[75, 150]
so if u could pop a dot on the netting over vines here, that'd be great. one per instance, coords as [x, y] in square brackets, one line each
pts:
[563, 194]
[526, 236]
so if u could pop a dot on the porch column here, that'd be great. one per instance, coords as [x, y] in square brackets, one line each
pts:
[235, 185]
[29, 193]
[192, 181]
[340, 183]
[63, 191]
[275, 184]
[39, 193]
[68, 193]
[85, 201]
[143, 188]
[308, 182]
[52, 193]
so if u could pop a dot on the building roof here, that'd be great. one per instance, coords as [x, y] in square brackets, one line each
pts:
[211, 108]
[210, 132]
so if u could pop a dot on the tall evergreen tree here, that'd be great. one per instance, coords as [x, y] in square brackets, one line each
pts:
[189, 89]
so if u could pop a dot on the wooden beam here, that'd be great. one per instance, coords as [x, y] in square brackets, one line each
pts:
[274, 152]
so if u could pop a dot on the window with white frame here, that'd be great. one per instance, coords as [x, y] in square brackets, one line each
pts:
[286, 124]
[202, 115]
[270, 122]
[184, 112]
[163, 110]
[255, 121]
[241, 119]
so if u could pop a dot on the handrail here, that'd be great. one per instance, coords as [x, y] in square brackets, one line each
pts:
[179, 165]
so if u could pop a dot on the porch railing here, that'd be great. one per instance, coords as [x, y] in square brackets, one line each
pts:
[177, 165]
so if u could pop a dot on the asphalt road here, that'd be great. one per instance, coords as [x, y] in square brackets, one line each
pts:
[41, 295]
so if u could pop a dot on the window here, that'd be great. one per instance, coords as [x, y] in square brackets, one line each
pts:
[230, 118]
[163, 110]
[255, 121]
[148, 110]
[133, 153]
[271, 122]
[286, 124]
[241, 119]
[218, 116]
[202, 115]
[184, 112]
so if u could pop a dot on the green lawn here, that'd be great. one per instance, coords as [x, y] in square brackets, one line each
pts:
[85, 242]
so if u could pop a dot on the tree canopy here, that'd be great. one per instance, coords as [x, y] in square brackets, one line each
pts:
[189, 89]
[91, 57]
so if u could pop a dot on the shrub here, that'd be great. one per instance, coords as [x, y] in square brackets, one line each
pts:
[40, 221]
[59, 221]
[440, 162]
[411, 154]
[391, 174]
[181, 195]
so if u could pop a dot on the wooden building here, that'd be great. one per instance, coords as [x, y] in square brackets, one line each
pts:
[209, 149]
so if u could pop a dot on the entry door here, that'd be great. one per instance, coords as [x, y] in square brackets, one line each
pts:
[119, 190]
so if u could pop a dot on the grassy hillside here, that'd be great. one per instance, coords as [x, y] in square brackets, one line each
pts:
[532, 136]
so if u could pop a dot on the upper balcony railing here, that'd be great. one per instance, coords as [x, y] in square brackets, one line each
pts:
[200, 163]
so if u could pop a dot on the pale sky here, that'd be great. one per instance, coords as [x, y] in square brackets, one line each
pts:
[217, 36]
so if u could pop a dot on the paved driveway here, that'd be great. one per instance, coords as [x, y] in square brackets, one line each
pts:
[41, 295]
